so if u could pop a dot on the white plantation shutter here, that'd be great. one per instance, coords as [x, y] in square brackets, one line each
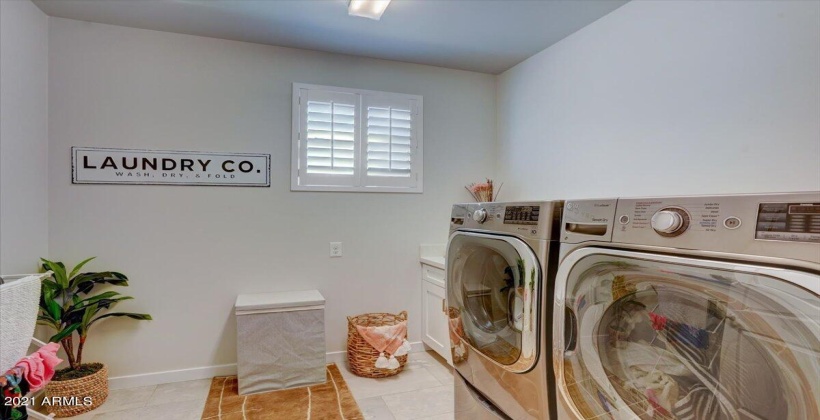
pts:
[389, 148]
[327, 137]
[330, 138]
[390, 138]
[356, 140]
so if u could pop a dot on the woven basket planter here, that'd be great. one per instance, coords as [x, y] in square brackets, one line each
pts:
[94, 386]
[361, 356]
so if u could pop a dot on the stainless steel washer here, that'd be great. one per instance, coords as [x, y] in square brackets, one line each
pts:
[501, 260]
[689, 308]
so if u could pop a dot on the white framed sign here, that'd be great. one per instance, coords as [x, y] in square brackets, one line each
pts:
[93, 165]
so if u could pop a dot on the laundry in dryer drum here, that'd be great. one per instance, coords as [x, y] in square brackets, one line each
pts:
[684, 333]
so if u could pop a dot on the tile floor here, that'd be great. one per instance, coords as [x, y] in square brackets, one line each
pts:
[424, 390]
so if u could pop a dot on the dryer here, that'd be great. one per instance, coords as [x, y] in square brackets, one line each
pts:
[501, 261]
[689, 308]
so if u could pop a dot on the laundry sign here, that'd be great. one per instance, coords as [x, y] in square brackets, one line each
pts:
[92, 165]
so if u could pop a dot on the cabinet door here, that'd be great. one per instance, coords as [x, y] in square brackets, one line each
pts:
[434, 319]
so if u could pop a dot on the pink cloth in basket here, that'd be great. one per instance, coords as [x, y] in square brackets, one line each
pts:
[386, 338]
[39, 367]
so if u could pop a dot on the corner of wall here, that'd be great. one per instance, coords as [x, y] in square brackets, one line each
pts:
[23, 136]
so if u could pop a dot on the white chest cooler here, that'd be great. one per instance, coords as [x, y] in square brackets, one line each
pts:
[280, 340]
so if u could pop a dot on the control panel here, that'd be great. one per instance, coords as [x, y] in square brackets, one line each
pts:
[771, 225]
[537, 220]
[788, 222]
[671, 217]
[521, 215]
[785, 225]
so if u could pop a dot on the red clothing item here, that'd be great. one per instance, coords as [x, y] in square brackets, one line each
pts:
[39, 367]
[658, 321]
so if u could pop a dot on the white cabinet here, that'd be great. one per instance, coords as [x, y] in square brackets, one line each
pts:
[434, 319]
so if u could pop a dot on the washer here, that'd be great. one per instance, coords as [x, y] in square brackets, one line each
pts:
[697, 307]
[501, 261]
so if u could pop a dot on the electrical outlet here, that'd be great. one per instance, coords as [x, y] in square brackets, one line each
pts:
[335, 249]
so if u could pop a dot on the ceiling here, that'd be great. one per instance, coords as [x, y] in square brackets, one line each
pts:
[487, 36]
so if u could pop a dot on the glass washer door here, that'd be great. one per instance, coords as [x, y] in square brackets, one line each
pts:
[656, 337]
[493, 283]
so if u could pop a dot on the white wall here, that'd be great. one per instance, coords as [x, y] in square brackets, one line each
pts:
[190, 250]
[668, 98]
[23, 136]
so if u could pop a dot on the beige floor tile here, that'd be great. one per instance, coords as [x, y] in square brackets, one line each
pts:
[118, 399]
[421, 403]
[181, 391]
[446, 416]
[419, 359]
[436, 365]
[408, 380]
[124, 399]
[374, 408]
[193, 415]
[177, 410]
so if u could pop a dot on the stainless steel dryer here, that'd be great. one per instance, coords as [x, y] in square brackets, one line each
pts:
[689, 308]
[501, 260]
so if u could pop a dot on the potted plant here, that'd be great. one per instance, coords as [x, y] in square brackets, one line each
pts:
[67, 306]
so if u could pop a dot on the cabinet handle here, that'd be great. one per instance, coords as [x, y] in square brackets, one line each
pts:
[443, 304]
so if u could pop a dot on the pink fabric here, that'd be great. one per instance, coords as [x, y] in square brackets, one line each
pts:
[38, 368]
[387, 338]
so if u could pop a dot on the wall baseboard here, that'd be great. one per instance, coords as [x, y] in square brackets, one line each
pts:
[180, 375]
[207, 372]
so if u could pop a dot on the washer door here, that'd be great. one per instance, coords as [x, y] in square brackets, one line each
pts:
[493, 284]
[650, 336]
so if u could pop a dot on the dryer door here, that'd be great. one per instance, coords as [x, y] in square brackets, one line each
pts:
[493, 284]
[652, 336]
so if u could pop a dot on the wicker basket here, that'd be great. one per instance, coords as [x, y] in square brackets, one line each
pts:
[94, 386]
[361, 356]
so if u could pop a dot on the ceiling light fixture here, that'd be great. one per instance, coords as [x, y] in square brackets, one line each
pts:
[371, 9]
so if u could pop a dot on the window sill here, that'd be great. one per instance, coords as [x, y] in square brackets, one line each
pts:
[332, 188]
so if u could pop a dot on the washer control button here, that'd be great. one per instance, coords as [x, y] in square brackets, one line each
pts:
[731, 223]
[670, 221]
[624, 219]
[667, 221]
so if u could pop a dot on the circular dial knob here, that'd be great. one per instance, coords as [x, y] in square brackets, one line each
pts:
[480, 215]
[670, 221]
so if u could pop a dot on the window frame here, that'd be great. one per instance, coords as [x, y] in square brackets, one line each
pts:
[360, 179]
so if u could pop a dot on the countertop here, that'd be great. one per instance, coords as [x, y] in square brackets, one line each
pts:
[432, 254]
[437, 262]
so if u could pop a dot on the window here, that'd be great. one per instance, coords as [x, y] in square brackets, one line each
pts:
[355, 140]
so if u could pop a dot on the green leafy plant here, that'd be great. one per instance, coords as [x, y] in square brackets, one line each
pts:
[65, 305]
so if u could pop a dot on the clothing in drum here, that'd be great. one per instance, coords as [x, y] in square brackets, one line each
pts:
[664, 340]
[492, 285]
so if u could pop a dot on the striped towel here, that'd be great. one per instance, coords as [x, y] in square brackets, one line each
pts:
[700, 404]
[704, 400]
[707, 399]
